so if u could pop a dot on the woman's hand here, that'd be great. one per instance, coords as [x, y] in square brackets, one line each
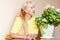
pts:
[31, 36]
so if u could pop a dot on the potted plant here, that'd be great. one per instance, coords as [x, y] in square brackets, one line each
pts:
[50, 18]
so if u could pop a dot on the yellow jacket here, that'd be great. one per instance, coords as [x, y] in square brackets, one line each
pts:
[16, 27]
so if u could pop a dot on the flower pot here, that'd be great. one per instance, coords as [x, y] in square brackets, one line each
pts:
[48, 32]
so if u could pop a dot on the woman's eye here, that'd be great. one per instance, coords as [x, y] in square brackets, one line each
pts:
[32, 7]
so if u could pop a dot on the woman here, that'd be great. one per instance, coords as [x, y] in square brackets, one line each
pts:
[24, 27]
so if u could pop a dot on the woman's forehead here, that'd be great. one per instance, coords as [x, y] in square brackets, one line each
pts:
[30, 5]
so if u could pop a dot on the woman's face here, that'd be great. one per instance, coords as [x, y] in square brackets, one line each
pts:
[30, 9]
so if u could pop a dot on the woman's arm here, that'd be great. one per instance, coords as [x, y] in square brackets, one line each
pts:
[18, 36]
[15, 35]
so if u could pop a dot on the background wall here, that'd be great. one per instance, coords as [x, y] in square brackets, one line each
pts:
[10, 8]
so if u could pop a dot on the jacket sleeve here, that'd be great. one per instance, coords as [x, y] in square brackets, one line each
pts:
[16, 25]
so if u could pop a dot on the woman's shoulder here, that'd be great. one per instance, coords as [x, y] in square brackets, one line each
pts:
[18, 18]
[33, 18]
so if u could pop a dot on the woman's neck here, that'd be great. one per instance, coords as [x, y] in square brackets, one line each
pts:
[27, 17]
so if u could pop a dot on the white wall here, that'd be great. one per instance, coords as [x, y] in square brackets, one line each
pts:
[41, 3]
[10, 8]
[8, 11]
